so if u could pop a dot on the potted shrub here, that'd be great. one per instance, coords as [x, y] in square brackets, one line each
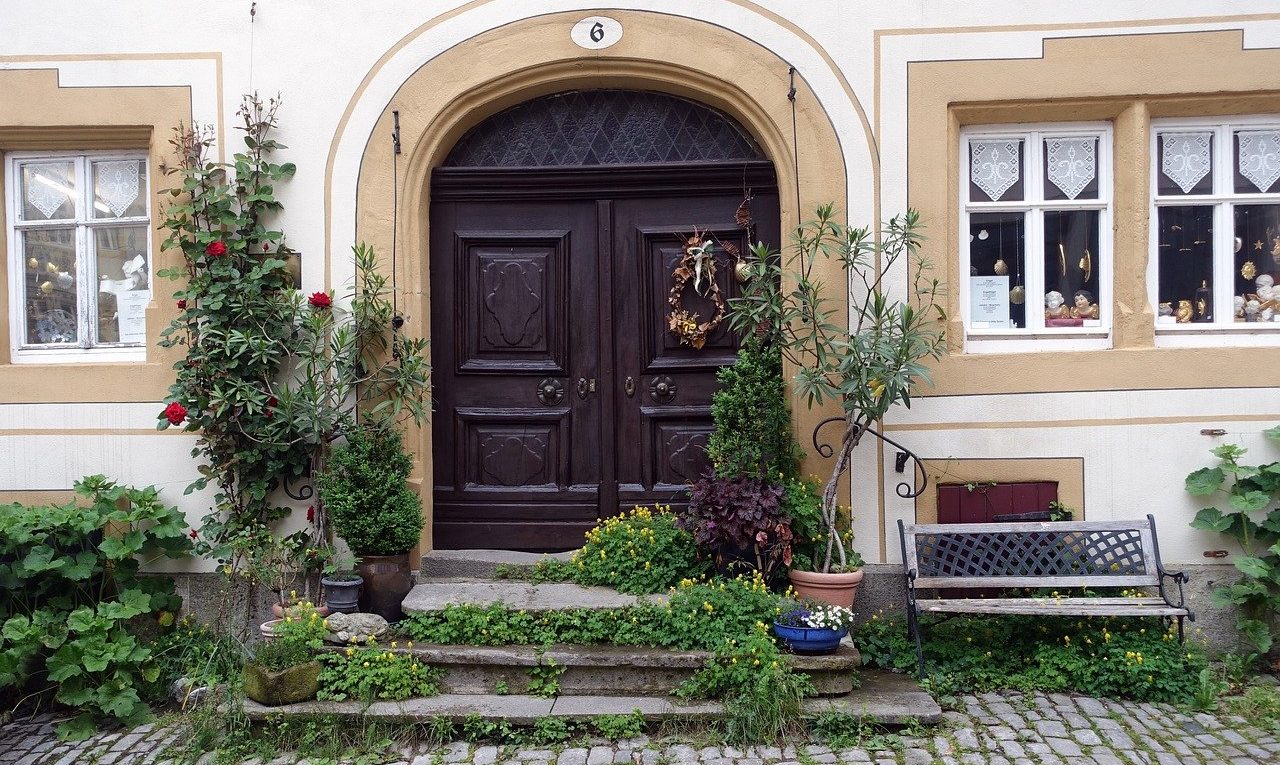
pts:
[864, 368]
[366, 493]
[342, 584]
[740, 521]
[284, 670]
[812, 627]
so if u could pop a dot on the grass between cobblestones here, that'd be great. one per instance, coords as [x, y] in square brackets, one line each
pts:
[983, 729]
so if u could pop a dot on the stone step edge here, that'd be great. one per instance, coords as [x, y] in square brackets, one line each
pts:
[845, 658]
[434, 596]
[478, 564]
[884, 698]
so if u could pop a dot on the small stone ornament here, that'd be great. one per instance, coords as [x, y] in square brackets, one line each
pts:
[1054, 305]
[357, 627]
[1185, 313]
[1084, 307]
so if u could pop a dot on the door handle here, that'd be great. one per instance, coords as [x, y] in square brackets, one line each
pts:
[629, 387]
[586, 386]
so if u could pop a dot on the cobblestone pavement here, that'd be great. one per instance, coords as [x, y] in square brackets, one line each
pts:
[991, 729]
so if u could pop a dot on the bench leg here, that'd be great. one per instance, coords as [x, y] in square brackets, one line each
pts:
[913, 630]
[1180, 636]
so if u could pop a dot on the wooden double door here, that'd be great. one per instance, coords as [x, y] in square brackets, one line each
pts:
[560, 395]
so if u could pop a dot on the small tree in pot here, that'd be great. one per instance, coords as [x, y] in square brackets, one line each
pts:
[867, 367]
[366, 491]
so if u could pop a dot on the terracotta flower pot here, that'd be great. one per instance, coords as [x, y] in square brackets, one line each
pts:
[268, 629]
[387, 579]
[832, 589]
[288, 686]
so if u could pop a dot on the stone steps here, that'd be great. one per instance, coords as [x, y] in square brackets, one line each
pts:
[604, 670]
[436, 594]
[884, 698]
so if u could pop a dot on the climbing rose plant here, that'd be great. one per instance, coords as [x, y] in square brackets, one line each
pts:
[270, 378]
[236, 315]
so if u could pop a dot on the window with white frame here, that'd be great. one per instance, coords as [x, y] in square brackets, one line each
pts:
[79, 236]
[1036, 208]
[1216, 232]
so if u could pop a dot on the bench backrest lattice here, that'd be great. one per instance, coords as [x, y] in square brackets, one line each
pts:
[1053, 554]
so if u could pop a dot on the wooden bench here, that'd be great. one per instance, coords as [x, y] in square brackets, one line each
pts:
[1062, 555]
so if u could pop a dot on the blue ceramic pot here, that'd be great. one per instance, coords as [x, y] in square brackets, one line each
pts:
[809, 640]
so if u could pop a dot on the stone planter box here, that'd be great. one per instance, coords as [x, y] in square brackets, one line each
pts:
[288, 686]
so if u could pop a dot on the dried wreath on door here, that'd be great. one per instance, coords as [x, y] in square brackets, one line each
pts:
[696, 266]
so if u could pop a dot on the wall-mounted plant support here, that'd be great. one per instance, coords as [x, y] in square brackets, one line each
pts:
[904, 489]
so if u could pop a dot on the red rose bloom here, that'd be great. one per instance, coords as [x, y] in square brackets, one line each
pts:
[271, 402]
[311, 513]
[175, 413]
[320, 300]
[215, 249]
[182, 305]
[194, 534]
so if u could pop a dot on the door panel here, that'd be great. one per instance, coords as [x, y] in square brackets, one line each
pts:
[513, 469]
[564, 294]
[662, 428]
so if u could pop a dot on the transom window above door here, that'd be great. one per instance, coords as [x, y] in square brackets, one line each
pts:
[79, 243]
[1036, 206]
[1215, 233]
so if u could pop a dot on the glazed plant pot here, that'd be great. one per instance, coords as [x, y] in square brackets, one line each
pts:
[342, 596]
[811, 641]
[387, 579]
[288, 686]
[832, 589]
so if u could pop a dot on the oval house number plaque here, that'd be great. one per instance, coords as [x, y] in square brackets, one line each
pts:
[596, 32]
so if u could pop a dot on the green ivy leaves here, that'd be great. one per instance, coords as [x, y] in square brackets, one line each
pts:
[1204, 481]
[1250, 491]
[70, 591]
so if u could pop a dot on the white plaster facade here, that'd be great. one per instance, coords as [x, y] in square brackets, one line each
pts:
[338, 64]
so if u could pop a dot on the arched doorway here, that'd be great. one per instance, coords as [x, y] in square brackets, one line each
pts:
[560, 394]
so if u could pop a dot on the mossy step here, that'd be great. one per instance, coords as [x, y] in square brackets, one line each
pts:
[551, 596]
[884, 698]
[605, 669]
[478, 564]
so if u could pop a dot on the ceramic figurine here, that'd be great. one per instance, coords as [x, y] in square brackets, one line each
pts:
[1084, 307]
[1166, 309]
[1251, 310]
[1267, 314]
[1054, 305]
[1237, 304]
[1184, 311]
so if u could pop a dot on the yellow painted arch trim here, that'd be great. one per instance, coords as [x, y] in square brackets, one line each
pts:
[340, 131]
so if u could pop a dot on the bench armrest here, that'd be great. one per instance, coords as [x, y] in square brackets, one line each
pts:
[1178, 578]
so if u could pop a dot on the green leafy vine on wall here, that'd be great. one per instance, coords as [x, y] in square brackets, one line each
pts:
[1252, 519]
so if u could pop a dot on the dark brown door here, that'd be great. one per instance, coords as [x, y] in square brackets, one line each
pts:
[560, 395]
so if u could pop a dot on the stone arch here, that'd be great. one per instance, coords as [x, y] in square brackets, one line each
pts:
[483, 75]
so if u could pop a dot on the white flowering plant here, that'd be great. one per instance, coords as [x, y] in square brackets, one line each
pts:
[814, 615]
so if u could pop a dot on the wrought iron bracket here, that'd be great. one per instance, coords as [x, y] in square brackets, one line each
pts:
[299, 487]
[904, 489]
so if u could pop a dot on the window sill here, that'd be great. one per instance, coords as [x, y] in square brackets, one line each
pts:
[80, 355]
[1029, 341]
[1252, 334]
